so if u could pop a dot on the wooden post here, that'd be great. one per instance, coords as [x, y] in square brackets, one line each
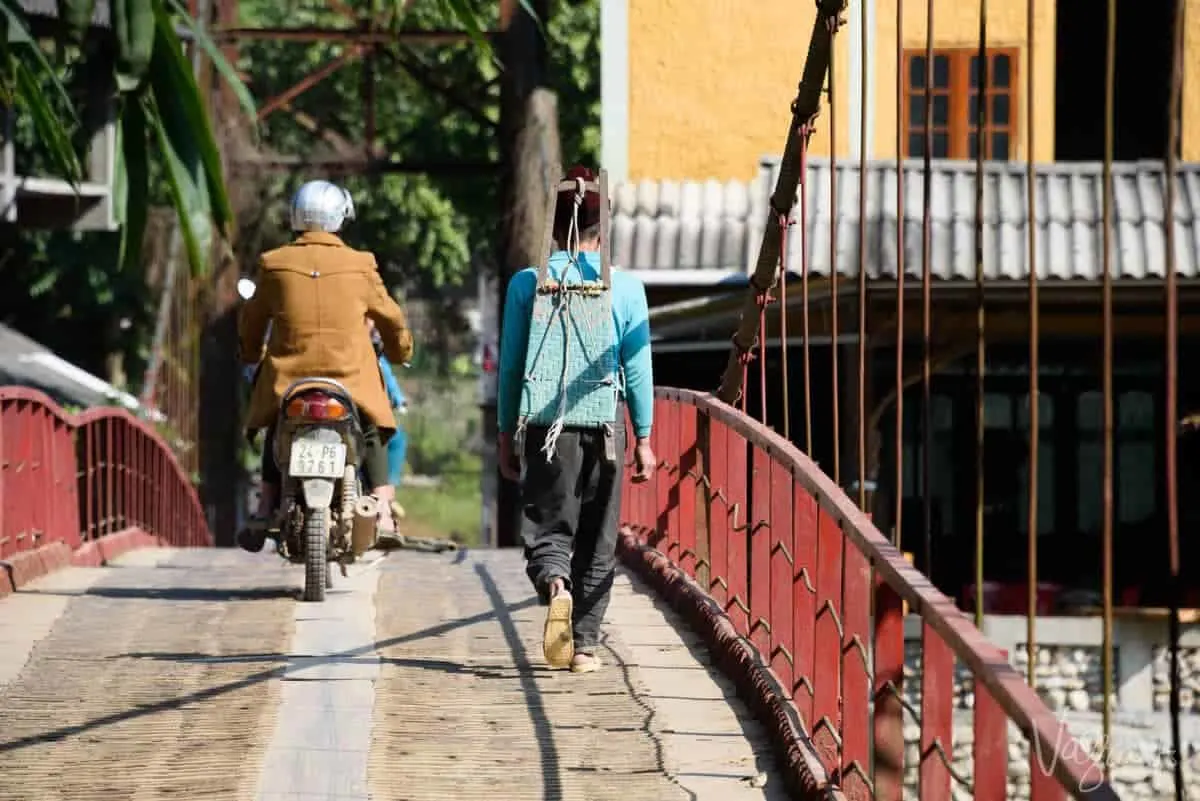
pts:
[531, 161]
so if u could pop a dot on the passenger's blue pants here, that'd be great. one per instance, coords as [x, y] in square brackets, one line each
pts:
[396, 448]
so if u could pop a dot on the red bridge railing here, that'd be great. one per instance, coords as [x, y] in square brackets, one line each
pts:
[78, 478]
[818, 594]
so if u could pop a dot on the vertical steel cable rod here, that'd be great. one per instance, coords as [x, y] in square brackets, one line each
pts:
[1106, 654]
[926, 314]
[833, 269]
[862, 264]
[901, 266]
[1172, 388]
[804, 321]
[980, 311]
[785, 225]
[1035, 400]
[762, 347]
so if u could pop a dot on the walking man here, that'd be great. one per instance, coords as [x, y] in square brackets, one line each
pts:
[574, 350]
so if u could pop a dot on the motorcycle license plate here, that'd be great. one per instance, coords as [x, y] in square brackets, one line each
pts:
[317, 460]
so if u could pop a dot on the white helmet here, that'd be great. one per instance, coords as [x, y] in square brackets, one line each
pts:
[321, 206]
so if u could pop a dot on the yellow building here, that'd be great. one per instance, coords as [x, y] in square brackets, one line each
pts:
[701, 89]
[696, 99]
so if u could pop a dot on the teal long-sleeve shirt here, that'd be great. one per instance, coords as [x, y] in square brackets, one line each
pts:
[631, 317]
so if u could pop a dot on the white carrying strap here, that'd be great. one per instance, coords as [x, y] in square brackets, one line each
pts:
[580, 188]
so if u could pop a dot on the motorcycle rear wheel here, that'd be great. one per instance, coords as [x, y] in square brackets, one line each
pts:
[316, 545]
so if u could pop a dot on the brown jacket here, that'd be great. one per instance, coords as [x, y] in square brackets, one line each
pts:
[318, 294]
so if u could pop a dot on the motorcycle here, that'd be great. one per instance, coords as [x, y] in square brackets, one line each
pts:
[324, 514]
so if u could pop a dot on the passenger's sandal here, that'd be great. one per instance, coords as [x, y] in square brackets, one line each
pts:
[585, 663]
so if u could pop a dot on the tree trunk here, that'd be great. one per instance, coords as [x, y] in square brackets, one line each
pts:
[531, 159]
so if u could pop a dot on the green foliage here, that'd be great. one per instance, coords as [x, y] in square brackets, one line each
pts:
[146, 74]
[452, 509]
[442, 427]
[433, 105]
[61, 289]
[69, 290]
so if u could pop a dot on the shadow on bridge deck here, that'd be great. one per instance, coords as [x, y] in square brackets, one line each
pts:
[420, 677]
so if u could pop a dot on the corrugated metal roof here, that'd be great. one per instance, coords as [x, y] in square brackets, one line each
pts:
[670, 225]
[688, 225]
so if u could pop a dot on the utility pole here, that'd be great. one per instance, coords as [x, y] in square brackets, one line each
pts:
[531, 160]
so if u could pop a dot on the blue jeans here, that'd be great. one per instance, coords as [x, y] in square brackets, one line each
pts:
[396, 447]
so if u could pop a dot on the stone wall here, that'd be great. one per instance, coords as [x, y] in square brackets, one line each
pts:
[1068, 678]
[1189, 683]
[1140, 758]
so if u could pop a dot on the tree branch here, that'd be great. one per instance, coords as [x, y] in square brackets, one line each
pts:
[422, 73]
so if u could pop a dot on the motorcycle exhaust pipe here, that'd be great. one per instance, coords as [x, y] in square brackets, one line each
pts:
[365, 525]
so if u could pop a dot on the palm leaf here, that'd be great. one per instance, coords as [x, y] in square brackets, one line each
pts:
[53, 131]
[214, 54]
[25, 61]
[77, 14]
[466, 16]
[189, 196]
[133, 24]
[184, 119]
[131, 190]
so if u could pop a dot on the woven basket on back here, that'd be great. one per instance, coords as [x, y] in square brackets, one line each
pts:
[571, 365]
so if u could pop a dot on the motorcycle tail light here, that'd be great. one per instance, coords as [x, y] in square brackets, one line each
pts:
[317, 406]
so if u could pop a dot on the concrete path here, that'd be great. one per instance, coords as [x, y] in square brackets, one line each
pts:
[196, 674]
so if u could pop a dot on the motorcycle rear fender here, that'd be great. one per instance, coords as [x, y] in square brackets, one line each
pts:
[317, 493]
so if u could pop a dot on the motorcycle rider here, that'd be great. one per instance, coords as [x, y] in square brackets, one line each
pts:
[316, 293]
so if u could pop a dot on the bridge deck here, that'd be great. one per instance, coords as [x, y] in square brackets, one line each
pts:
[196, 674]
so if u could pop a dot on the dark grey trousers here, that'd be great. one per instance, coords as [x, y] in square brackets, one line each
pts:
[572, 506]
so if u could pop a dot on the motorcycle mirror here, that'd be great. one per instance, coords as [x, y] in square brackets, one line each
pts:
[245, 288]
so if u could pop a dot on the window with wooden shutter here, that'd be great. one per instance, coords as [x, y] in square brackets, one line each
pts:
[955, 96]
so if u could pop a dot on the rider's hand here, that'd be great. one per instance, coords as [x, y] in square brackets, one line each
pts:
[510, 468]
[644, 461]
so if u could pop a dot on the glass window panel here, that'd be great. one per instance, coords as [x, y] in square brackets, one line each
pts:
[1135, 412]
[1135, 481]
[916, 110]
[1045, 412]
[941, 72]
[999, 146]
[941, 110]
[975, 77]
[916, 72]
[1000, 109]
[972, 143]
[942, 470]
[1088, 484]
[997, 411]
[916, 145]
[909, 484]
[973, 109]
[941, 146]
[1001, 71]
[1089, 411]
[1046, 491]
[943, 413]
